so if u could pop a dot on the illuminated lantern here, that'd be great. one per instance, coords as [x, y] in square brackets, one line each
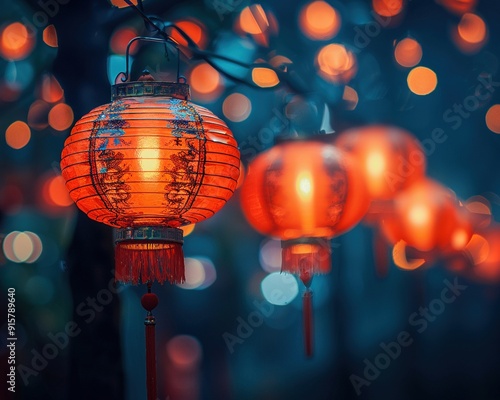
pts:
[303, 192]
[147, 163]
[391, 159]
[428, 217]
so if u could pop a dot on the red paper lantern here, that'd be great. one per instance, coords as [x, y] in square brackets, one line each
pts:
[303, 192]
[147, 163]
[427, 216]
[390, 158]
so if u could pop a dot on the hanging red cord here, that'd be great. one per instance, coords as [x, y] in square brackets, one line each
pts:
[149, 301]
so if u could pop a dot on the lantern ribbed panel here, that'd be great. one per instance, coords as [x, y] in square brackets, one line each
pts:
[427, 216]
[390, 158]
[150, 161]
[296, 189]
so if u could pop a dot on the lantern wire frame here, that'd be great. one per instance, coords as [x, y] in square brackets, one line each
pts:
[125, 76]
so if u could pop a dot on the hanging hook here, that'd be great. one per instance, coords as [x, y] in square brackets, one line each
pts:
[167, 40]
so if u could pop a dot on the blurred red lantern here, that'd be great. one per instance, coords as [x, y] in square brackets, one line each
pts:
[390, 158]
[148, 163]
[303, 192]
[427, 216]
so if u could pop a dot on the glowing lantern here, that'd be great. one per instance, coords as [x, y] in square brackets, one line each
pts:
[428, 217]
[391, 159]
[148, 163]
[303, 192]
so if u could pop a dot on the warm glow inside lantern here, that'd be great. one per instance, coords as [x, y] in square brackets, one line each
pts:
[298, 191]
[428, 216]
[148, 163]
[390, 158]
[303, 192]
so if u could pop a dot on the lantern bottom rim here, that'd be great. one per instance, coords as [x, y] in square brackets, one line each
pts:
[149, 233]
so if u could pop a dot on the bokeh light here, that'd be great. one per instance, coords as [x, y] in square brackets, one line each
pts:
[270, 255]
[408, 52]
[459, 238]
[237, 107]
[50, 89]
[422, 80]
[400, 258]
[199, 272]
[205, 81]
[471, 34]
[38, 115]
[350, 98]
[493, 118]
[37, 247]
[54, 191]
[259, 23]
[336, 63]
[264, 77]
[16, 42]
[387, 8]
[318, 20]
[194, 29]
[22, 247]
[279, 289]
[18, 135]
[253, 19]
[184, 351]
[61, 117]
[472, 28]
[49, 36]
[120, 40]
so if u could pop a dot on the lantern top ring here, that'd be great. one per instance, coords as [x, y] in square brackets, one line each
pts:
[160, 233]
[125, 76]
[177, 90]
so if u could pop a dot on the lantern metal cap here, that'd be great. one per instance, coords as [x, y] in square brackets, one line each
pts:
[160, 233]
[143, 88]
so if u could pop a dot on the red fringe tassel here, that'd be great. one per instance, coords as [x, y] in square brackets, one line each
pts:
[137, 261]
[314, 257]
